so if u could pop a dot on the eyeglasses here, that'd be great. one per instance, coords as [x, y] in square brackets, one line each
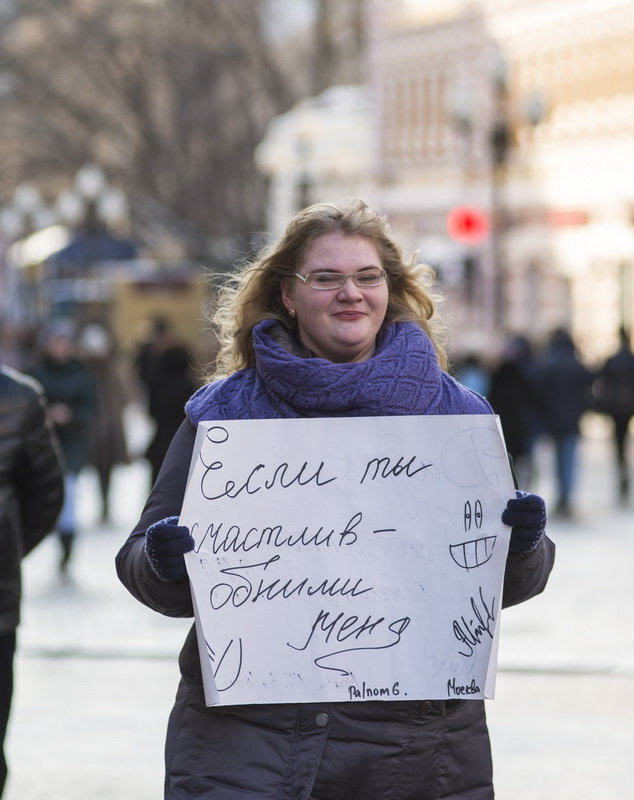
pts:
[325, 281]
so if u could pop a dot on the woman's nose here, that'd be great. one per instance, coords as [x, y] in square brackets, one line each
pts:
[350, 290]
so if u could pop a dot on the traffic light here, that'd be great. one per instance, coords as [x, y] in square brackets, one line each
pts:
[468, 224]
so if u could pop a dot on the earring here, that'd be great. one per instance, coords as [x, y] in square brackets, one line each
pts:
[291, 312]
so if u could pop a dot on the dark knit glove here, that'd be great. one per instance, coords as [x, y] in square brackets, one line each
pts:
[165, 543]
[526, 515]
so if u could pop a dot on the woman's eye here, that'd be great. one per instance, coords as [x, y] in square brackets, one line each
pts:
[368, 278]
[324, 279]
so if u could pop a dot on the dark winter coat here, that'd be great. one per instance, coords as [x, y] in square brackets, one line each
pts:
[31, 483]
[71, 383]
[405, 750]
[512, 396]
[563, 387]
[397, 750]
[108, 446]
[615, 386]
[169, 386]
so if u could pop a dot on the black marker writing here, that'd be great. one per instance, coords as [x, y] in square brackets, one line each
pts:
[232, 652]
[223, 538]
[472, 632]
[461, 689]
[364, 692]
[342, 627]
[259, 477]
[248, 588]
[383, 468]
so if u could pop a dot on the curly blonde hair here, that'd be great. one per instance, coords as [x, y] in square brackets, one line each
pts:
[254, 293]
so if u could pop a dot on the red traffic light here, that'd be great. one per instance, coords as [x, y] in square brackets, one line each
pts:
[467, 225]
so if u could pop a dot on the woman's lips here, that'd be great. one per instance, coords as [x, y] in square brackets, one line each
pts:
[350, 315]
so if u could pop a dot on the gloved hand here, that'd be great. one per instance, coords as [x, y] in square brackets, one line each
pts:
[165, 543]
[526, 515]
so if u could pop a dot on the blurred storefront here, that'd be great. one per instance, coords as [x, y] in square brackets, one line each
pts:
[123, 294]
[76, 258]
[321, 150]
[514, 117]
[525, 111]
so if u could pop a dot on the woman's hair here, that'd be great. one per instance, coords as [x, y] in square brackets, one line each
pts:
[254, 293]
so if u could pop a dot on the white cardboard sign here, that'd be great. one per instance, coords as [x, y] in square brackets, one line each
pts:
[348, 559]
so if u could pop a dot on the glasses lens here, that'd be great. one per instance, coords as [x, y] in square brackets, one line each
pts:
[369, 277]
[335, 280]
[326, 280]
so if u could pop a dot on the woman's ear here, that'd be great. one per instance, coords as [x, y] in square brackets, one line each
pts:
[287, 295]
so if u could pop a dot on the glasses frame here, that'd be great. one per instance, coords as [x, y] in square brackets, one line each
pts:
[341, 278]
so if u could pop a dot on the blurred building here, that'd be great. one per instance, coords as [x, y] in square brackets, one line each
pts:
[522, 110]
[498, 137]
[321, 150]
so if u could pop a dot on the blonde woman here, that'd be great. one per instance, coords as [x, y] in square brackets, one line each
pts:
[330, 321]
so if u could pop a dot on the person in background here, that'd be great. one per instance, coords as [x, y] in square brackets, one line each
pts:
[513, 397]
[330, 321]
[31, 495]
[164, 370]
[563, 388]
[108, 446]
[70, 392]
[472, 373]
[614, 393]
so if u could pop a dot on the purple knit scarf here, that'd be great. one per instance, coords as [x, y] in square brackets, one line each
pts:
[403, 377]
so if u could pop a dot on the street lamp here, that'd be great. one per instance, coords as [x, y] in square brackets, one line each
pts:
[498, 139]
[24, 213]
[92, 201]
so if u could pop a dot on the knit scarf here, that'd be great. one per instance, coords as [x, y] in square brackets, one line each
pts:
[403, 377]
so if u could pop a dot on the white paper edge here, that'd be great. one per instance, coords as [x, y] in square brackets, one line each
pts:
[209, 682]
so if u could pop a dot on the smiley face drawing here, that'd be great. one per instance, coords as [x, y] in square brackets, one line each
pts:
[473, 553]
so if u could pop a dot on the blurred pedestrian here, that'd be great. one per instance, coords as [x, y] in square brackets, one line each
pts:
[332, 321]
[472, 373]
[513, 396]
[70, 392]
[163, 365]
[31, 494]
[614, 393]
[108, 446]
[564, 391]
[155, 336]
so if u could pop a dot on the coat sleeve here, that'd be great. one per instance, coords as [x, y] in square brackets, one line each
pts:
[526, 575]
[172, 598]
[40, 476]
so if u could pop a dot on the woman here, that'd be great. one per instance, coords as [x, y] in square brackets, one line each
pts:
[330, 322]
[70, 392]
[108, 446]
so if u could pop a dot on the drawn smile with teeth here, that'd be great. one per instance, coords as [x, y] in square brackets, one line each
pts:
[474, 552]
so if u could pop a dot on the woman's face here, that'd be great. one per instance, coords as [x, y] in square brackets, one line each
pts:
[338, 324]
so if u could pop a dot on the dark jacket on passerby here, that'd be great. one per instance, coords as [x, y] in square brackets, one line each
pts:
[169, 388]
[31, 483]
[512, 395]
[614, 387]
[563, 387]
[108, 446]
[71, 383]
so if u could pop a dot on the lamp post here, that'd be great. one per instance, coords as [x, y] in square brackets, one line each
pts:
[499, 145]
[90, 206]
[24, 213]
[92, 202]
[497, 130]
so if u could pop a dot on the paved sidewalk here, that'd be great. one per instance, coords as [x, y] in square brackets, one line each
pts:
[96, 671]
